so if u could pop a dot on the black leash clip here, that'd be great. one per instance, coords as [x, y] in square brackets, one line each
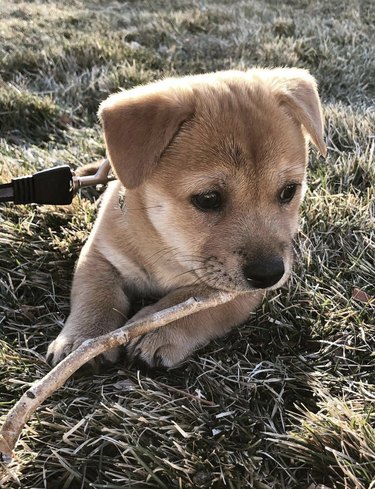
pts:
[55, 186]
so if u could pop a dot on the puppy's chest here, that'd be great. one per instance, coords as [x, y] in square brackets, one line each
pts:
[128, 241]
[156, 277]
[170, 275]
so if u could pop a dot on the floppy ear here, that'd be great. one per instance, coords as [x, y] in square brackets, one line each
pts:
[297, 92]
[139, 124]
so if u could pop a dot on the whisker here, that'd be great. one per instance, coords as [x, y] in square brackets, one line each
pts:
[208, 273]
[164, 255]
[162, 250]
[193, 270]
[187, 260]
[195, 256]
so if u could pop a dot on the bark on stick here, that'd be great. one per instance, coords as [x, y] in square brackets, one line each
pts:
[45, 387]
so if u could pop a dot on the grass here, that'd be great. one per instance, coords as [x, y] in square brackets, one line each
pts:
[287, 400]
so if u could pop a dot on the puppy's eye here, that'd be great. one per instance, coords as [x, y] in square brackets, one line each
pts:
[207, 202]
[287, 193]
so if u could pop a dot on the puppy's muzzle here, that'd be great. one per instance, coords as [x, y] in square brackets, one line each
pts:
[262, 274]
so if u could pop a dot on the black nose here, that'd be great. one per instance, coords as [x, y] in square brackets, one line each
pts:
[264, 273]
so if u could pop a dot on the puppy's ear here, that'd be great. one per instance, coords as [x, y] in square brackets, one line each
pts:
[297, 92]
[139, 124]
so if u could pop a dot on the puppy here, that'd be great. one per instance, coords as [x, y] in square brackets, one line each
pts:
[214, 171]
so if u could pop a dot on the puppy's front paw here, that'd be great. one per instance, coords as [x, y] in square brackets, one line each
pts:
[65, 344]
[156, 349]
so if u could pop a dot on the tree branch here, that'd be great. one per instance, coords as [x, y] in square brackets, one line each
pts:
[45, 387]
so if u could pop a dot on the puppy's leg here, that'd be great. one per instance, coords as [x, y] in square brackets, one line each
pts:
[98, 306]
[171, 344]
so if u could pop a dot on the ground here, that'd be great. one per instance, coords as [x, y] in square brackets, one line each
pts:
[287, 400]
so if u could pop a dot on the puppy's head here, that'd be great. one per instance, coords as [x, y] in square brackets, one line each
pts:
[219, 161]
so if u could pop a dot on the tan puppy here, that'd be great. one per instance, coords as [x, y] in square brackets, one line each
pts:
[214, 167]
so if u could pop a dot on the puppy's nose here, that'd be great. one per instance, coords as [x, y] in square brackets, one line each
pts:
[264, 273]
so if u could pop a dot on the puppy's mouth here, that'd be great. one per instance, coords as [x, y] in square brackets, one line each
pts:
[266, 274]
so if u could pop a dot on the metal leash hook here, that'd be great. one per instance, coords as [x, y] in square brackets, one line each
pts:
[56, 186]
[101, 177]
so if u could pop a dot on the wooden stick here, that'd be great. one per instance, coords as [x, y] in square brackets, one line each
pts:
[43, 388]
